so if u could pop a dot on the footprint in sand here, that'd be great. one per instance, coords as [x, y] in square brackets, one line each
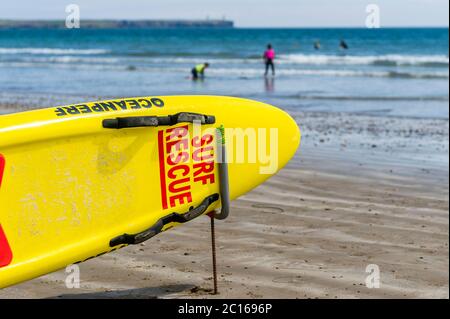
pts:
[288, 280]
[268, 208]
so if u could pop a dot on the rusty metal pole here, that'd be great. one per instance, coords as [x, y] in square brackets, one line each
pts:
[214, 260]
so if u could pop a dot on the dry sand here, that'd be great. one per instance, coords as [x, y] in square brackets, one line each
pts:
[356, 194]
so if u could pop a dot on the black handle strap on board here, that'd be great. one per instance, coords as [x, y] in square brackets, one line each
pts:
[127, 239]
[224, 179]
[154, 121]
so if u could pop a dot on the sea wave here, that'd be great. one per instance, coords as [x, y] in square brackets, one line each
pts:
[388, 60]
[371, 98]
[380, 60]
[97, 63]
[334, 73]
[181, 54]
[62, 59]
[67, 66]
[52, 51]
[435, 61]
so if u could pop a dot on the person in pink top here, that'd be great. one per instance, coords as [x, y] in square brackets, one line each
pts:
[269, 56]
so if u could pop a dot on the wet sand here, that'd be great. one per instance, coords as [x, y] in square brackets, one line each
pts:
[362, 190]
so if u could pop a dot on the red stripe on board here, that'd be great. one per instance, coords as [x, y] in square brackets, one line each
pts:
[162, 169]
[6, 255]
[5, 251]
[2, 168]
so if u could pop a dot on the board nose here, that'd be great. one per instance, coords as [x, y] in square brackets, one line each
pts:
[289, 137]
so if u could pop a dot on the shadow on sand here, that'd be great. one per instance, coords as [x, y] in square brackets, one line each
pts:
[141, 293]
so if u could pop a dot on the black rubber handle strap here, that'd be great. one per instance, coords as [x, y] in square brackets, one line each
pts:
[127, 239]
[154, 121]
[224, 179]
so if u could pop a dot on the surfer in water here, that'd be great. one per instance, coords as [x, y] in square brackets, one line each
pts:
[343, 45]
[199, 71]
[317, 45]
[269, 57]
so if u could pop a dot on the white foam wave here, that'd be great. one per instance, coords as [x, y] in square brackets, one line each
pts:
[69, 60]
[94, 63]
[365, 60]
[51, 51]
[332, 73]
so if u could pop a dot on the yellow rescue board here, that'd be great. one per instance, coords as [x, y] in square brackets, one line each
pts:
[78, 181]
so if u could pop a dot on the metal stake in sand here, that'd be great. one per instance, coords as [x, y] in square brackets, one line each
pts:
[214, 259]
[224, 195]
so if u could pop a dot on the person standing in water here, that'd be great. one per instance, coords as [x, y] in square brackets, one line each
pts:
[317, 45]
[199, 71]
[343, 45]
[269, 57]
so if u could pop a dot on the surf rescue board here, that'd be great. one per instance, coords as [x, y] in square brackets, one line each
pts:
[82, 180]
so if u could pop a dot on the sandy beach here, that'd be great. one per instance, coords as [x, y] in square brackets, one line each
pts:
[361, 190]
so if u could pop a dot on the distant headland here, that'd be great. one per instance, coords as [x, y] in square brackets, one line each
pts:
[116, 24]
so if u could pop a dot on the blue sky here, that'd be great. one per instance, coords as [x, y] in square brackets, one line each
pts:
[246, 13]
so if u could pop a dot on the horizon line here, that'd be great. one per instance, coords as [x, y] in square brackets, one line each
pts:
[236, 25]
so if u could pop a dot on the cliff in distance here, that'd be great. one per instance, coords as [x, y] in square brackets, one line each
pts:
[116, 24]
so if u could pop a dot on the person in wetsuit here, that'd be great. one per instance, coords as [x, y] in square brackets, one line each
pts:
[317, 45]
[199, 71]
[269, 57]
[343, 45]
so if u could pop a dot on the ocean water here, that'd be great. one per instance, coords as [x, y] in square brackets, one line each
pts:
[385, 72]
